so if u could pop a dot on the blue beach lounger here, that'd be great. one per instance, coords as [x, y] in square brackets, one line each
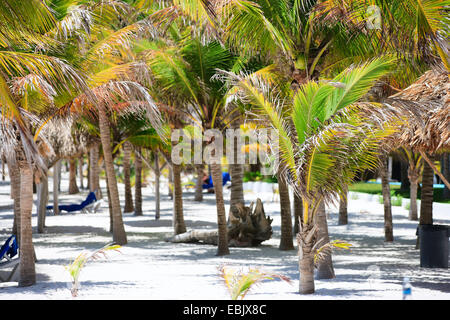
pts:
[7, 253]
[87, 205]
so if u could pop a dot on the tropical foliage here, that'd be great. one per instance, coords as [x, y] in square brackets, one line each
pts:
[131, 72]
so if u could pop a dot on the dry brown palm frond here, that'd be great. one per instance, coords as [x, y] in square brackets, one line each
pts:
[127, 97]
[425, 107]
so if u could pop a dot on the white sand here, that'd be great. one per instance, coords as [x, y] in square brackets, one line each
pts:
[150, 268]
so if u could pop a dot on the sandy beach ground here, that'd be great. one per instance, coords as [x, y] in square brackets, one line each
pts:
[148, 267]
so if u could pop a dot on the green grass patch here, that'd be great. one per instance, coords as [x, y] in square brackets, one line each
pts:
[375, 188]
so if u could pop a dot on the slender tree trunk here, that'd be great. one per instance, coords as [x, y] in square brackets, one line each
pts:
[170, 182]
[405, 183]
[138, 183]
[199, 184]
[80, 171]
[14, 176]
[236, 168]
[343, 210]
[298, 210]
[111, 217]
[414, 181]
[178, 218]
[59, 172]
[73, 188]
[426, 203]
[56, 169]
[89, 170]
[94, 172]
[286, 242]
[157, 196]
[216, 174]
[388, 227]
[306, 242]
[237, 187]
[119, 235]
[27, 257]
[127, 149]
[446, 172]
[3, 168]
[325, 268]
[42, 203]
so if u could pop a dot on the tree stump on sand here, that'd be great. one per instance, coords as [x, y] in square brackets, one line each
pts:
[246, 228]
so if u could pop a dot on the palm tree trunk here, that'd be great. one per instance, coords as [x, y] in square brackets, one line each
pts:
[236, 167]
[119, 235]
[298, 209]
[80, 171]
[73, 188]
[306, 258]
[26, 264]
[325, 268]
[446, 172]
[170, 183]
[56, 169]
[178, 219]
[14, 176]
[405, 183]
[94, 172]
[237, 187]
[388, 227]
[59, 172]
[414, 181]
[3, 168]
[138, 183]
[286, 242]
[42, 203]
[127, 149]
[157, 196]
[426, 203]
[343, 210]
[111, 218]
[216, 174]
[199, 184]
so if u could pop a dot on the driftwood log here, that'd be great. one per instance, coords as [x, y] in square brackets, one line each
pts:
[246, 228]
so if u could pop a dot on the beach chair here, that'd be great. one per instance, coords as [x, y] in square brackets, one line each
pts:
[89, 205]
[209, 183]
[7, 253]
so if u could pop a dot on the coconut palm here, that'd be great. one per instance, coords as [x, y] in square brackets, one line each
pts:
[386, 191]
[102, 35]
[184, 73]
[415, 165]
[142, 135]
[127, 150]
[32, 82]
[322, 130]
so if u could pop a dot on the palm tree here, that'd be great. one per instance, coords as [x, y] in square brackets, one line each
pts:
[343, 212]
[286, 242]
[23, 34]
[138, 182]
[298, 212]
[415, 165]
[116, 79]
[127, 150]
[184, 73]
[426, 203]
[73, 188]
[142, 135]
[322, 129]
[388, 227]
